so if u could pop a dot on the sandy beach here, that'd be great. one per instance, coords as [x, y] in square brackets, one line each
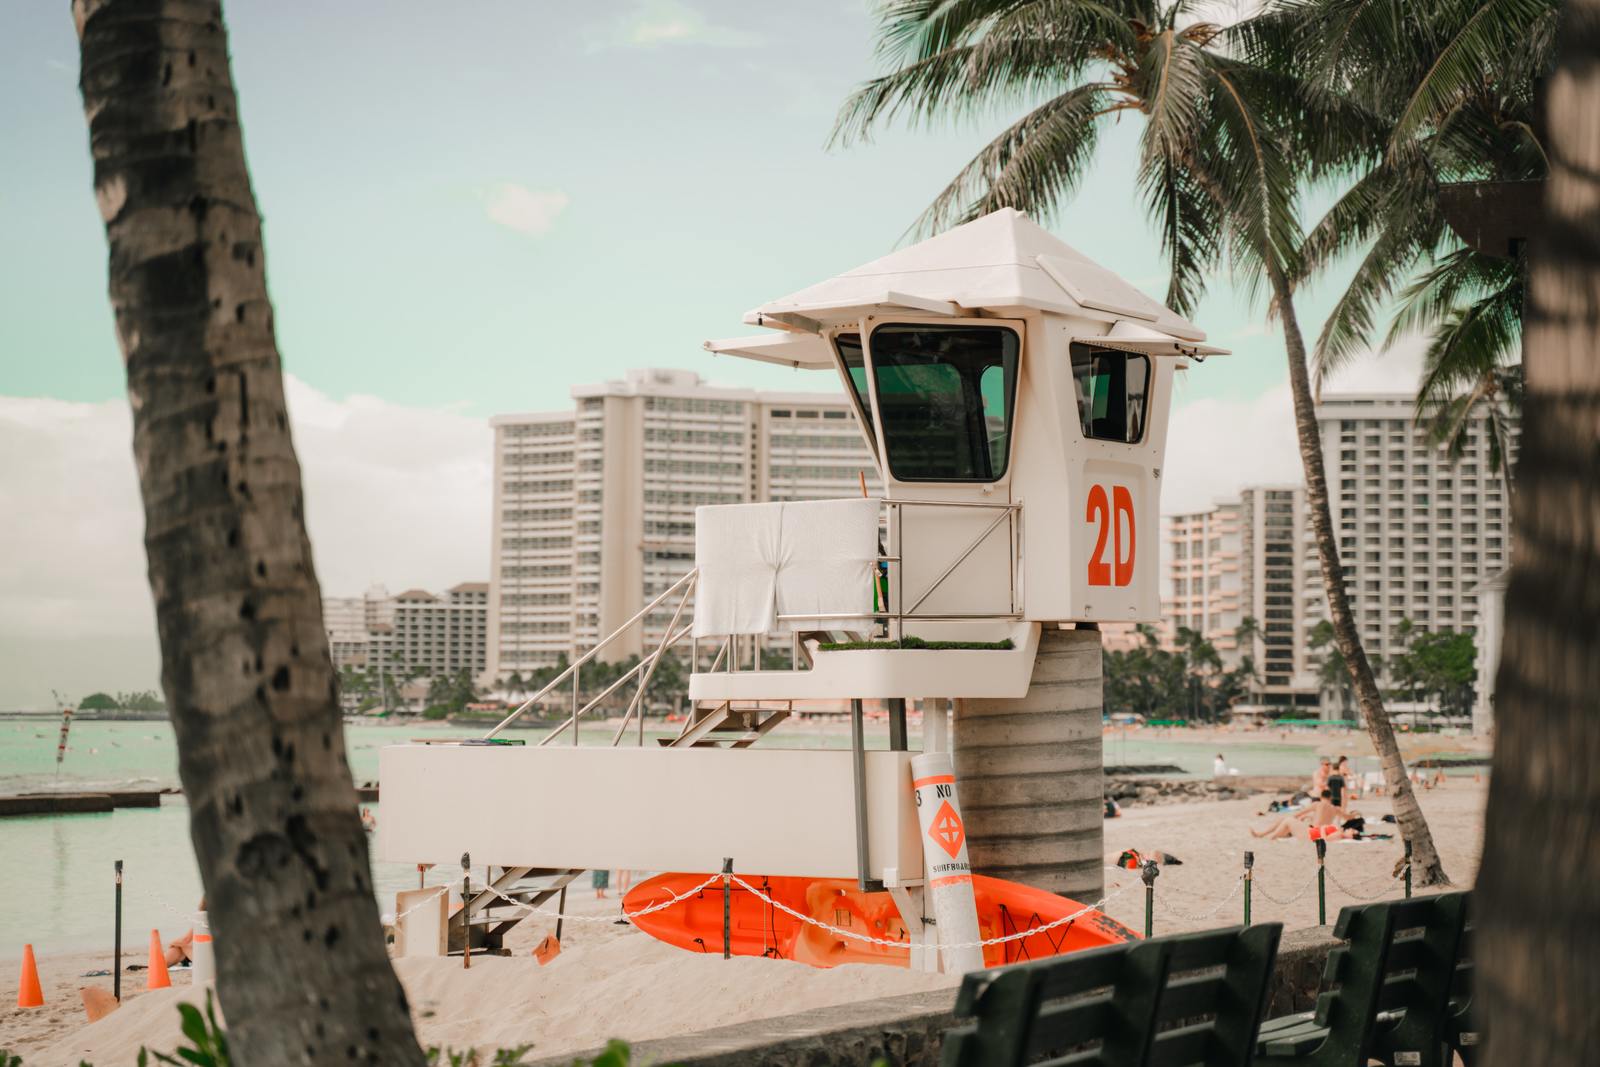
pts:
[612, 981]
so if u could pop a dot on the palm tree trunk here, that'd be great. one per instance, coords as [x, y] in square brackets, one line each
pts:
[1426, 866]
[1538, 911]
[303, 975]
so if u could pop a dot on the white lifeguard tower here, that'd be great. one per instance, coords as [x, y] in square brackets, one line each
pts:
[1014, 396]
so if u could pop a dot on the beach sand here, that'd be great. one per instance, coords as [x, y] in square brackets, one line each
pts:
[612, 981]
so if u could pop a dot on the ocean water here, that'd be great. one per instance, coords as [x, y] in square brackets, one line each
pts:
[57, 887]
[56, 874]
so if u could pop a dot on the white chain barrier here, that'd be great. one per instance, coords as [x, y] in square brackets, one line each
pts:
[1384, 887]
[1259, 888]
[869, 939]
[1166, 905]
[660, 905]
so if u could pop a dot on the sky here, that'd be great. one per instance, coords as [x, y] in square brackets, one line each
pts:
[469, 208]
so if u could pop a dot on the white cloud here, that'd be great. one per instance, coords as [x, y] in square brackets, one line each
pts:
[393, 494]
[1217, 447]
[1398, 370]
[528, 211]
[654, 23]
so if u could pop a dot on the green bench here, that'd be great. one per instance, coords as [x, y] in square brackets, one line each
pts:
[1385, 995]
[1462, 1032]
[1176, 1001]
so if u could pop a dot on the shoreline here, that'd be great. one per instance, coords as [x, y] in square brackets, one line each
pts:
[512, 1000]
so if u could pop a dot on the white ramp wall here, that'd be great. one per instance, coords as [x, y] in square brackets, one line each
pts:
[774, 811]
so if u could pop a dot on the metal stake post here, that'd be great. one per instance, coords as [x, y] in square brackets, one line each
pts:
[116, 966]
[727, 907]
[1149, 875]
[1408, 870]
[1322, 882]
[466, 910]
[858, 754]
[1249, 865]
[897, 724]
[561, 911]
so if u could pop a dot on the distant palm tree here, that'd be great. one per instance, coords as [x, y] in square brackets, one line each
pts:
[302, 970]
[1225, 141]
[1456, 104]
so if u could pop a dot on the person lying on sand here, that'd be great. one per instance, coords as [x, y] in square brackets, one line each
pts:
[1323, 818]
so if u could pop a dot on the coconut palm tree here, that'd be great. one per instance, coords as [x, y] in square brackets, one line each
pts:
[1224, 143]
[1457, 105]
[1535, 908]
[302, 970]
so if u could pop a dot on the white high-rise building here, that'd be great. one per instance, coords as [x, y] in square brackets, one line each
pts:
[1272, 522]
[594, 508]
[1204, 576]
[1243, 560]
[1418, 533]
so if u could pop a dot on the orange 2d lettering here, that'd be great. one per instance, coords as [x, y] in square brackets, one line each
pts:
[1107, 511]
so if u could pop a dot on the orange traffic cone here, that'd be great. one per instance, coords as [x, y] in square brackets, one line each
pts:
[29, 995]
[156, 977]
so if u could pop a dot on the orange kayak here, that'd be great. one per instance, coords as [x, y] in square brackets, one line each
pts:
[758, 929]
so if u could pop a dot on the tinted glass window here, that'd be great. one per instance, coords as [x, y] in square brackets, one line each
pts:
[1113, 393]
[855, 365]
[945, 395]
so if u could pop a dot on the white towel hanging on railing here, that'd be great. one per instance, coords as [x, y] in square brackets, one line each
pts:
[827, 554]
[757, 561]
[736, 551]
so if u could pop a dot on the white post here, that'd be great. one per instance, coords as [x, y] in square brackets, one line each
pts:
[204, 963]
[936, 725]
[944, 848]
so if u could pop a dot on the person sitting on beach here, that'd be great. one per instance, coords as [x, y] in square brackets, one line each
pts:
[1219, 766]
[182, 950]
[1351, 784]
[1324, 819]
[1319, 779]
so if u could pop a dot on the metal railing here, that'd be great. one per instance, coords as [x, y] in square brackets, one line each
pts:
[889, 575]
[891, 615]
[647, 664]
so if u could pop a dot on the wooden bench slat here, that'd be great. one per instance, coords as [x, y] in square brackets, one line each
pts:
[1182, 1047]
[1185, 998]
[1062, 1025]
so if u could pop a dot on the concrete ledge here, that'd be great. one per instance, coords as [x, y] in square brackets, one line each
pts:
[908, 1031]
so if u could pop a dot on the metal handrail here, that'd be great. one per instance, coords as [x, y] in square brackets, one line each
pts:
[959, 560]
[589, 655]
[644, 680]
[612, 688]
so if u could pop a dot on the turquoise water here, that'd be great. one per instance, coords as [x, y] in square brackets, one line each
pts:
[56, 871]
[56, 887]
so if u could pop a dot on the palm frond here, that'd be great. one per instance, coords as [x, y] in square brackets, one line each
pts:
[1172, 84]
[1258, 184]
[1031, 166]
[1191, 229]
[1473, 55]
[1471, 345]
[1462, 275]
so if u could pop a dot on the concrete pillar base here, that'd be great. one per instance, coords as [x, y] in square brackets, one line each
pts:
[1031, 773]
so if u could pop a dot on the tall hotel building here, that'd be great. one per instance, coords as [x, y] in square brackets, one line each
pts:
[1203, 573]
[1418, 534]
[594, 507]
[1244, 559]
[1420, 539]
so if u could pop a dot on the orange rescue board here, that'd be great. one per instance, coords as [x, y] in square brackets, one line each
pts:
[758, 929]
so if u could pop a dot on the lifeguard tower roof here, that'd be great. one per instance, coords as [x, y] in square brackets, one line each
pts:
[1003, 260]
